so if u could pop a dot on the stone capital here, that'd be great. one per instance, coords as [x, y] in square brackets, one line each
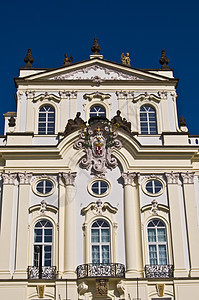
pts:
[187, 177]
[9, 178]
[129, 178]
[172, 178]
[73, 94]
[24, 178]
[69, 178]
[30, 94]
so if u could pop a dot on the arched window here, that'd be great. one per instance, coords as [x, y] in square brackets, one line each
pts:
[157, 242]
[46, 123]
[97, 111]
[148, 122]
[43, 239]
[100, 242]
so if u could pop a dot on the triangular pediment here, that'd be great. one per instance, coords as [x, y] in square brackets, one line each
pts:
[96, 70]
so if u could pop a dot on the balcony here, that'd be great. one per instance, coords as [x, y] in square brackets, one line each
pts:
[159, 271]
[41, 272]
[101, 270]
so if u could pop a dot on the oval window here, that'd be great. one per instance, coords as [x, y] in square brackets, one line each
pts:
[99, 188]
[153, 186]
[44, 186]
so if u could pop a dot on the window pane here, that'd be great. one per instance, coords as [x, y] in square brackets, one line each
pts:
[38, 236]
[105, 254]
[48, 235]
[95, 255]
[153, 255]
[161, 235]
[151, 235]
[95, 236]
[162, 255]
[105, 235]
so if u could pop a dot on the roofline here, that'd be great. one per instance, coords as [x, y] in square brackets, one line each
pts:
[100, 61]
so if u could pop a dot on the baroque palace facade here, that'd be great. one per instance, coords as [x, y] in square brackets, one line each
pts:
[99, 185]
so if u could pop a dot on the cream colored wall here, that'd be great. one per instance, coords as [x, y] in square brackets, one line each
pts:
[20, 208]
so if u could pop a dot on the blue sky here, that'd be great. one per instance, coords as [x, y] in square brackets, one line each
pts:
[142, 28]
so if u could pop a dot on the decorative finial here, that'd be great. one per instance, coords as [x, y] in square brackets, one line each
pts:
[67, 60]
[96, 47]
[164, 61]
[183, 125]
[182, 121]
[11, 122]
[28, 59]
[125, 59]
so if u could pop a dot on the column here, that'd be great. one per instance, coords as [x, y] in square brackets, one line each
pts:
[22, 226]
[132, 226]
[178, 233]
[192, 221]
[70, 247]
[29, 116]
[8, 225]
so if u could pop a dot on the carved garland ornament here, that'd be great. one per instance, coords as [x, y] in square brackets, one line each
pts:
[116, 75]
[98, 141]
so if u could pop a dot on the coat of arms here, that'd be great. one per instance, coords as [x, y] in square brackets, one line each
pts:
[98, 139]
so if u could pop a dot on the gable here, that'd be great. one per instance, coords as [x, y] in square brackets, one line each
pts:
[96, 70]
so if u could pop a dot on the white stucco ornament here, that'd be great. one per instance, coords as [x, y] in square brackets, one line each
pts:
[98, 140]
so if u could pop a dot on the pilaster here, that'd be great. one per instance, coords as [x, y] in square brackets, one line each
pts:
[8, 226]
[164, 111]
[29, 117]
[192, 221]
[121, 96]
[73, 104]
[61, 223]
[22, 226]
[177, 230]
[132, 226]
[63, 109]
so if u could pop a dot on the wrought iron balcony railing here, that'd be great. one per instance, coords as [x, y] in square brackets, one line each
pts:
[101, 270]
[159, 271]
[41, 272]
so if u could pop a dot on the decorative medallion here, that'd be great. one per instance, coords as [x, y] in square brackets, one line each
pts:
[101, 287]
[98, 139]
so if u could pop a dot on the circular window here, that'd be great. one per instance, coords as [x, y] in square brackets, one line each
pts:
[153, 187]
[44, 187]
[99, 188]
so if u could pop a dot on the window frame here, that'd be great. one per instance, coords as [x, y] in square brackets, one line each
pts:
[89, 187]
[100, 244]
[47, 122]
[43, 243]
[157, 243]
[147, 180]
[36, 192]
[148, 122]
